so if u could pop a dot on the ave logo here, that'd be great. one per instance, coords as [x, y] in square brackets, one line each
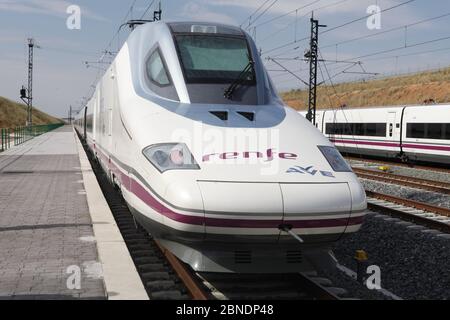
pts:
[310, 171]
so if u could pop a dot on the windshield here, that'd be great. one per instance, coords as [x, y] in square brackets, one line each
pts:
[214, 59]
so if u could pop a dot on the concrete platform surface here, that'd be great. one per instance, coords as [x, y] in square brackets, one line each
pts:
[48, 248]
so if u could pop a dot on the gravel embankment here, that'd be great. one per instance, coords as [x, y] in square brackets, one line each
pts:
[413, 261]
[433, 198]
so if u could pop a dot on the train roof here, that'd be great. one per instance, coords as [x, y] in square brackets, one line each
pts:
[165, 30]
[204, 27]
[193, 27]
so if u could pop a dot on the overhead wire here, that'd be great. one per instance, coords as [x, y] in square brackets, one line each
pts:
[108, 47]
[334, 28]
[261, 14]
[253, 13]
[401, 48]
[290, 12]
[402, 27]
[147, 9]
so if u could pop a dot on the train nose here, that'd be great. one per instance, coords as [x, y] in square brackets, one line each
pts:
[248, 212]
[255, 212]
[185, 195]
[318, 212]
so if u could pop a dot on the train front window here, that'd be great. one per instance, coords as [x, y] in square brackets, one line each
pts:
[214, 58]
[156, 69]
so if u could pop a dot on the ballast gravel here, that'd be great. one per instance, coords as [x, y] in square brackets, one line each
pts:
[413, 261]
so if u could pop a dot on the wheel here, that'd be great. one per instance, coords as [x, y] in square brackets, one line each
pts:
[404, 158]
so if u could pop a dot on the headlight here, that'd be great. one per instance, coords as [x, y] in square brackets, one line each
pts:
[335, 159]
[170, 156]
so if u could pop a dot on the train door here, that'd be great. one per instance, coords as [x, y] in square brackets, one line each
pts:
[85, 124]
[391, 132]
[110, 124]
[111, 105]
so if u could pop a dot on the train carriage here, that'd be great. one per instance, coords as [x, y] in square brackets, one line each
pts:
[411, 133]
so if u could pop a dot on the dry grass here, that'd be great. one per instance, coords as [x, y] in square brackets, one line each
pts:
[13, 114]
[409, 89]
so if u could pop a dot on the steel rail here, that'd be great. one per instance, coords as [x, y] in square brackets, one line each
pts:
[406, 215]
[290, 286]
[399, 164]
[435, 186]
[411, 203]
[196, 290]
[317, 289]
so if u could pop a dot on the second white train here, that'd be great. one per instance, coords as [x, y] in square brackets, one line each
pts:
[411, 133]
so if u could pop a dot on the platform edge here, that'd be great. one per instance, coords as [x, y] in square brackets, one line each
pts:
[120, 277]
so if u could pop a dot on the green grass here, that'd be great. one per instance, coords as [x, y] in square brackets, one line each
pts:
[14, 114]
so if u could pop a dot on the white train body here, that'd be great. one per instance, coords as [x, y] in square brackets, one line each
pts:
[417, 133]
[256, 167]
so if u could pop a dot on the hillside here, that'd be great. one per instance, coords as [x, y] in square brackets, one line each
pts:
[13, 114]
[408, 89]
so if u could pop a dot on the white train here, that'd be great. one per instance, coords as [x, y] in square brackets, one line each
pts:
[186, 122]
[411, 133]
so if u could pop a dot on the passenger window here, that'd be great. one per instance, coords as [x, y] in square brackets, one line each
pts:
[434, 131]
[156, 70]
[347, 129]
[416, 130]
[371, 129]
[358, 129]
[381, 130]
[89, 121]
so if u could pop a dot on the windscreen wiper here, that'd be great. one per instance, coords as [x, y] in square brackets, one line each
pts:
[228, 94]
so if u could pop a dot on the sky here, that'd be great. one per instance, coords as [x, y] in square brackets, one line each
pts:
[412, 37]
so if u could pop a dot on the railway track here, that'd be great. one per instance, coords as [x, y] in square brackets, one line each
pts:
[165, 277]
[418, 212]
[399, 164]
[269, 287]
[424, 184]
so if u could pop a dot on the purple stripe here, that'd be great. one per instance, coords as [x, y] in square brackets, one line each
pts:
[394, 145]
[139, 191]
[426, 147]
[297, 224]
[328, 223]
[370, 143]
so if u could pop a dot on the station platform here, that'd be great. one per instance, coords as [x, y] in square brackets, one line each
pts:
[58, 239]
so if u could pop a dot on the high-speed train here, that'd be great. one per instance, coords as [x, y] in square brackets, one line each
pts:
[187, 123]
[410, 133]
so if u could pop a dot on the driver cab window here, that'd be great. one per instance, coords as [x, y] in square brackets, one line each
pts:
[158, 76]
[156, 70]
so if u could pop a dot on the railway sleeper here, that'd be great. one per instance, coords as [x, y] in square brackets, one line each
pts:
[155, 276]
[152, 267]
